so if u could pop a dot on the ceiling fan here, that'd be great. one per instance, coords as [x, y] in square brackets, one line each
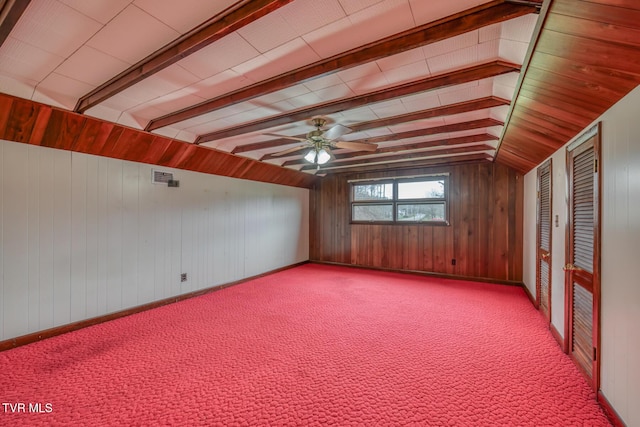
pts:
[320, 142]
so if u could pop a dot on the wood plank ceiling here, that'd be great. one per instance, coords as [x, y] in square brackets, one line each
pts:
[239, 81]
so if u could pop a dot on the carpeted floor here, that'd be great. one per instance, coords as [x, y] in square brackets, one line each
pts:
[314, 345]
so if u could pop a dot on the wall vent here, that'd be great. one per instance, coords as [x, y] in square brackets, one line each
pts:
[160, 177]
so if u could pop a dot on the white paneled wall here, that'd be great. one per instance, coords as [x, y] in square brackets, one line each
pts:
[620, 282]
[84, 236]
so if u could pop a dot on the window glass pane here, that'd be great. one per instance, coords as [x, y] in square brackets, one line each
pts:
[431, 189]
[382, 191]
[423, 212]
[373, 212]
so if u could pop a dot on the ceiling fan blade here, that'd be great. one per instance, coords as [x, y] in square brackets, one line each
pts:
[360, 146]
[336, 132]
[290, 150]
[295, 138]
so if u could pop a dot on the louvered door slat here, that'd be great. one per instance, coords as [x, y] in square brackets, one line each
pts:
[583, 218]
[583, 327]
[544, 288]
[543, 279]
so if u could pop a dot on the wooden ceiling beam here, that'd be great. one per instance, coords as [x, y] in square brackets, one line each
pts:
[231, 19]
[465, 75]
[451, 160]
[483, 137]
[492, 12]
[446, 110]
[10, 13]
[407, 156]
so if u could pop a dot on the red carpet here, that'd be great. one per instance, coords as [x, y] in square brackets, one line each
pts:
[314, 345]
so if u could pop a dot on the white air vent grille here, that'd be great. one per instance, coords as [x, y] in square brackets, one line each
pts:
[160, 177]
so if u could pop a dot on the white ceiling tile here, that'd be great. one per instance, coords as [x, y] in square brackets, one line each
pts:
[401, 59]
[359, 72]
[465, 93]
[490, 32]
[190, 14]
[252, 69]
[129, 120]
[268, 32]
[323, 82]
[60, 91]
[491, 50]
[289, 56]
[305, 100]
[357, 115]
[280, 95]
[225, 53]
[91, 66]
[380, 20]
[392, 107]
[335, 38]
[104, 113]
[369, 83]
[502, 91]
[132, 35]
[454, 60]
[167, 131]
[101, 11]
[417, 124]
[55, 27]
[161, 83]
[304, 16]
[499, 113]
[221, 83]
[352, 6]
[509, 79]
[466, 117]
[407, 73]
[512, 51]
[18, 58]
[452, 44]
[186, 136]
[175, 101]
[494, 130]
[383, 19]
[520, 29]
[334, 92]
[429, 11]
[120, 102]
[419, 103]
[17, 86]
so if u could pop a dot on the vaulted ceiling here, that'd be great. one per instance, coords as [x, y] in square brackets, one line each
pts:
[398, 83]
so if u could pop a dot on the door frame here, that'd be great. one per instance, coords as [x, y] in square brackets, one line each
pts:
[539, 255]
[594, 132]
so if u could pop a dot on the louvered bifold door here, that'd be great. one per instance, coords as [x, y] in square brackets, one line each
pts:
[582, 250]
[544, 240]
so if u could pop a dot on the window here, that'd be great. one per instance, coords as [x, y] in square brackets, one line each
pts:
[401, 200]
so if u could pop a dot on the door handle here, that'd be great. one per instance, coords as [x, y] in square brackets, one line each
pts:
[571, 267]
[545, 256]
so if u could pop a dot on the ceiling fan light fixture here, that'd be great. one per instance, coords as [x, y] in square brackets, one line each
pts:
[311, 156]
[323, 157]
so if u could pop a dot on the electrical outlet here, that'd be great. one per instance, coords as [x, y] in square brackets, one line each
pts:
[183, 277]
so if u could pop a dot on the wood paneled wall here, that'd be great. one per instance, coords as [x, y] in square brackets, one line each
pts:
[485, 235]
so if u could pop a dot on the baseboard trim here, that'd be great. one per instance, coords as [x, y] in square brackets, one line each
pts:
[424, 273]
[609, 411]
[531, 298]
[558, 338]
[59, 330]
